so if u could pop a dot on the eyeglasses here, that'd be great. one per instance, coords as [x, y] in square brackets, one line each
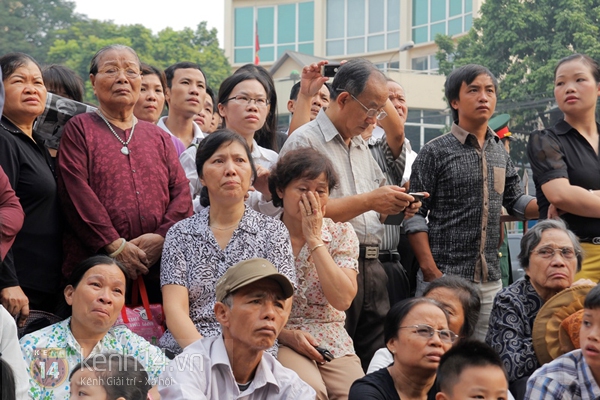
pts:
[112, 72]
[427, 331]
[549, 252]
[371, 112]
[244, 100]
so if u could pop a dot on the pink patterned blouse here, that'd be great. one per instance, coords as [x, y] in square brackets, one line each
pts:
[311, 312]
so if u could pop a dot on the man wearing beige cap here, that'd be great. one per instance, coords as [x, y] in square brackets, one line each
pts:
[252, 307]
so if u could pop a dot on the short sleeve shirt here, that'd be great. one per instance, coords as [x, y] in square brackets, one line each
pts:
[561, 152]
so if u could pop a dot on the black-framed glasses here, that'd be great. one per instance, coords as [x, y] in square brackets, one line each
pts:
[548, 252]
[427, 331]
[371, 112]
[245, 100]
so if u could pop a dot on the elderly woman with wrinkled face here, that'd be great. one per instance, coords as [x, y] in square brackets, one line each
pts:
[121, 184]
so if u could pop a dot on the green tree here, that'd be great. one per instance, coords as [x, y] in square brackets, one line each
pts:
[521, 42]
[29, 26]
[76, 45]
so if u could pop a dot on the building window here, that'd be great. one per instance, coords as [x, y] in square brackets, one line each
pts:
[280, 28]
[423, 125]
[426, 64]
[448, 17]
[362, 26]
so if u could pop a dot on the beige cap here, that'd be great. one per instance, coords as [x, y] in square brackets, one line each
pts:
[248, 271]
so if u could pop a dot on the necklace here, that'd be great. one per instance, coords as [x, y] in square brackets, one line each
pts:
[226, 228]
[124, 149]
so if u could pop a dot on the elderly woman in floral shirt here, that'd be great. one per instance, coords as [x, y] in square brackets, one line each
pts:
[325, 255]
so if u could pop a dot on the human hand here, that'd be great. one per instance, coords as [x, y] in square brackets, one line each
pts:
[303, 343]
[581, 282]
[152, 245]
[414, 207]
[312, 218]
[554, 212]
[311, 79]
[431, 273]
[16, 303]
[261, 182]
[390, 199]
[132, 257]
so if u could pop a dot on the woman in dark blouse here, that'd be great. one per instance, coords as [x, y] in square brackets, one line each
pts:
[564, 158]
[30, 274]
[416, 333]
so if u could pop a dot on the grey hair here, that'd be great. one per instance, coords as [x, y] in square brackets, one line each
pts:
[228, 301]
[353, 76]
[534, 235]
[94, 62]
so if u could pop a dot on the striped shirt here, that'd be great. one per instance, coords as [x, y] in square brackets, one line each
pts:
[397, 172]
[568, 377]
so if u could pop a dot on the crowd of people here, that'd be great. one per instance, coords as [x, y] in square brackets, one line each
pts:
[327, 261]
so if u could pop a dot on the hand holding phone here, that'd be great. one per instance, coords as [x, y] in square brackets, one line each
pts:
[418, 196]
[325, 353]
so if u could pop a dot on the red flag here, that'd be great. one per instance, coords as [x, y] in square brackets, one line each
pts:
[256, 46]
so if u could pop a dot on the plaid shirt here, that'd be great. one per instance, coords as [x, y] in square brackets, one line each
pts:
[567, 377]
[468, 186]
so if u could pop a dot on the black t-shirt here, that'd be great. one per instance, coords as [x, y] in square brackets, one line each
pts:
[35, 258]
[561, 152]
[378, 385]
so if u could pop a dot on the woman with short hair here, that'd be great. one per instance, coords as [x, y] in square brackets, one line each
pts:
[199, 249]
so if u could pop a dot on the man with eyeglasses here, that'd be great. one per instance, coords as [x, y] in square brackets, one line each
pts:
[184, 94]
[469, 176]
[359, 98]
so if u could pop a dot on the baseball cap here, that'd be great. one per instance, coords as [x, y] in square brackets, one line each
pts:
[248, 271]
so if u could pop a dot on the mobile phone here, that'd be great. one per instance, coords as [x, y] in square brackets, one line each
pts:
[325, 353]
[418, 196]
[329, 70]
[395, 219]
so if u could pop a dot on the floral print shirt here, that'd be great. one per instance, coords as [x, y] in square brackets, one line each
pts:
[52, 353]
[311, 312]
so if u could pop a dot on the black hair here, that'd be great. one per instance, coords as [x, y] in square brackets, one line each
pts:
[534, 235]
[120, 375]
[592, 299]
[63, 81]
[469, 296]
[64, 310]
[295, 90]
[587, 60]
[399, 311]
[170, 71]
[12, 61]
[8, 387]
[304, 162]
[352, 77]
[211, 93]
[148, 69]
[266, 136]
[118, 47]
[465, 354]
[209, 146]
[467, 74]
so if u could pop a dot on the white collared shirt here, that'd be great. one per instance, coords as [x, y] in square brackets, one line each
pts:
[203, 371]
[198, 135]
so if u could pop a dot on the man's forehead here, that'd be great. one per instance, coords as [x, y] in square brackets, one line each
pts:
[480, 80]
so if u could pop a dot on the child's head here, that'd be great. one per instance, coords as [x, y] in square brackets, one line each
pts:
[471, 369]
[109, 377]
[589, 334]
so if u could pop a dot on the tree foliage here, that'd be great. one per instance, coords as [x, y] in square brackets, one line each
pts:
[520, 41]
[51, 32]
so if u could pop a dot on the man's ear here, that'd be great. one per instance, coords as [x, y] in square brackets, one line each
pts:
[441, 396]
[454, 104]
[167, 95]
[69, 294]
[291, 106]
[342, 99]
[222, 313]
